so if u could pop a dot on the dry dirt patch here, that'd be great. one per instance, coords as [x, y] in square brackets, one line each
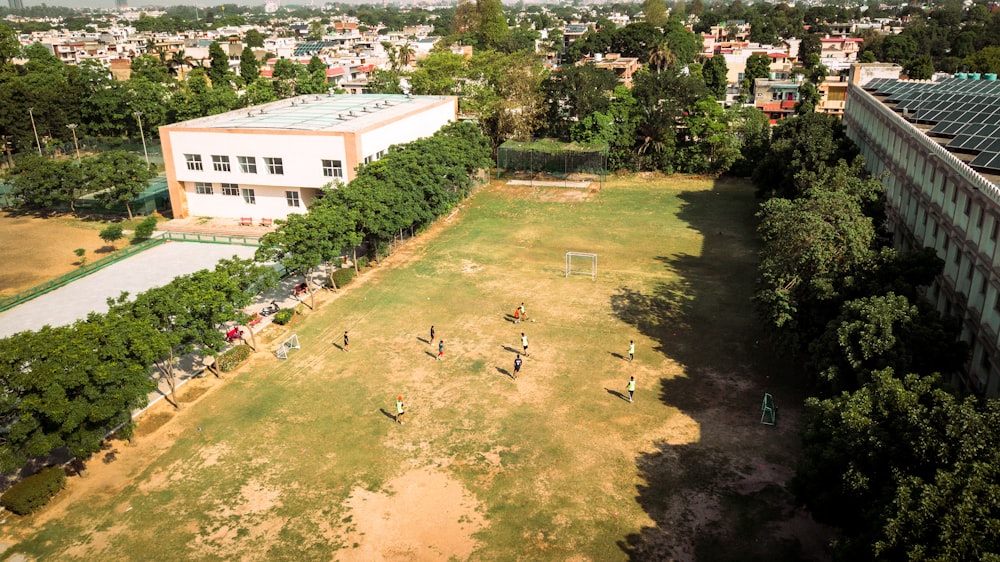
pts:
[384, 527]
[34, 250]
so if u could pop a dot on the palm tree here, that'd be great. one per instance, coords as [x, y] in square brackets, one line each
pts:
[660, 56]
[403, 54]
[178, 60]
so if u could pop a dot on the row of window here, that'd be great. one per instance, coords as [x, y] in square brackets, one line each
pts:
[275, 166]
[249, 196]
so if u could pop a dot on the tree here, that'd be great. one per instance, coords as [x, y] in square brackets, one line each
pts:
[118, 177]
[503, 91]
[660, 56]
[437, 74]
[145, 229]
[709, 146]
[575, 92]
[81, 386]
[253, 39]
[493, 28]
[683, 43]
[804, 143]
[810, 45]
[616, 127]
[812, 248]
[249, 66]
[41, 183]
[753, 128]
[10, 47]
[986, 60]
[809, 98]
[151, 68]
[112, 233]
[655, 12]
[384, 82]
[907, 470]
[316, 30]
[218, 71]
[715, 74]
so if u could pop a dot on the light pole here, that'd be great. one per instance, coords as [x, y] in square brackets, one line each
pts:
[72, 127]
[38, 144]
[138, 117]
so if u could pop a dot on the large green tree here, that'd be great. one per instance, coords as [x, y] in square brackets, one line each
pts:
[574, 93]
[118, 177]
[906, 469]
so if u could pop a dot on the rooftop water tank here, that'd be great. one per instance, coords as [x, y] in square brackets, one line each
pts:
[991, 77]
[974, 76]
[961, 75]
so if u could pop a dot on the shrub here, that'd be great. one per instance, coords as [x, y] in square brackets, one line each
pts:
[34, 491]
[231, 359]
[145, 228]
[343, 276]
[112, 233]
[362, 262]
[283, 316]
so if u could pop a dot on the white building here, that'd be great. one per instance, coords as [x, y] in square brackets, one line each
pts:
[271, 160]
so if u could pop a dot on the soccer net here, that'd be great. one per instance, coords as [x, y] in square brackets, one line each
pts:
[287, 345]
[580, 263]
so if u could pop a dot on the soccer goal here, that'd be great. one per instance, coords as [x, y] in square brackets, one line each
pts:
[287, 345]
[580, 263]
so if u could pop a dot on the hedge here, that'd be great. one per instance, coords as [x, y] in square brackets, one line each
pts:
[343, 276]
[232, 358]
[34, 491]
[283, 316]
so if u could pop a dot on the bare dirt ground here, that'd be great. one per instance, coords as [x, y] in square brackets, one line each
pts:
[34, 250]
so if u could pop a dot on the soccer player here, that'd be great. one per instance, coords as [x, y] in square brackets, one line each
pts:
[440, 350]
[432, 335]
[631, 350]
[631, 388]
[347, 345]
[524, 343]
[399, 410]
[517, 366]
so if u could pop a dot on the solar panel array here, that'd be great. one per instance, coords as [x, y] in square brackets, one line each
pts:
[964, 109]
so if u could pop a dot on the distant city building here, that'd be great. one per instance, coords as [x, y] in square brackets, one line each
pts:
[271, 160]
[16, 4]
[121, 3]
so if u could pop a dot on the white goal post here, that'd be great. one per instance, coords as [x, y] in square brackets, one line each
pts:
[581, 263]
[288, 345]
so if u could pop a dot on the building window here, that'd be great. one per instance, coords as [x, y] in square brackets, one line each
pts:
[954, 194]
[275, 166]
[982, 287]
[972, 268]
[202, 188]
[368, 159]
[968, 207]
[248, 197]
[193, 162]
[220, 163]
[996, 227]
[230, 189]
[982, 215]
[248, 164]
[293, 198]
[333, 169]
[958, 258]
[379, 154]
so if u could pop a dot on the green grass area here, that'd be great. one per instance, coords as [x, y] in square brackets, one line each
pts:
[556, 464]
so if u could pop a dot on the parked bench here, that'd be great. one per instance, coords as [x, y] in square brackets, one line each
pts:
[246, 221]
[254, 320]
[266, 222]
[300, 289]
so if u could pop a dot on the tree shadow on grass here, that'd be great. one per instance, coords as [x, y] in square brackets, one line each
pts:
[716, 491]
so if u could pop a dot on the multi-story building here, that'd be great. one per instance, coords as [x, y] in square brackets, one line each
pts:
[938, 144]
[271, 160]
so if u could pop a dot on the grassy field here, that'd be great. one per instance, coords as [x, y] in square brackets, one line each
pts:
[300, 459]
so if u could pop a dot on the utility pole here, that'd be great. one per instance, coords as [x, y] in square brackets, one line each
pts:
[32, 115]
[138, 117]
[72, 127]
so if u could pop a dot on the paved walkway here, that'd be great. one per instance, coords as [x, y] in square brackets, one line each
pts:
[152, 268]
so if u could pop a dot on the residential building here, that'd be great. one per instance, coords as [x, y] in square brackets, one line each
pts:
[271, 160]
[776, 98]
[623, 67]
[838, 53]
[833, 95]
[938, 144]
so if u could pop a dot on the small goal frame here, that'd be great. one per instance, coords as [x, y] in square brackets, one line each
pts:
[288, 345]
[572, 257]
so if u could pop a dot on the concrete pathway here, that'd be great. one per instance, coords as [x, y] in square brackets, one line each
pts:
[152, 268]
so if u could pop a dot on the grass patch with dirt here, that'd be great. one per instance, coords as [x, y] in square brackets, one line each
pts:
[302, 460]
